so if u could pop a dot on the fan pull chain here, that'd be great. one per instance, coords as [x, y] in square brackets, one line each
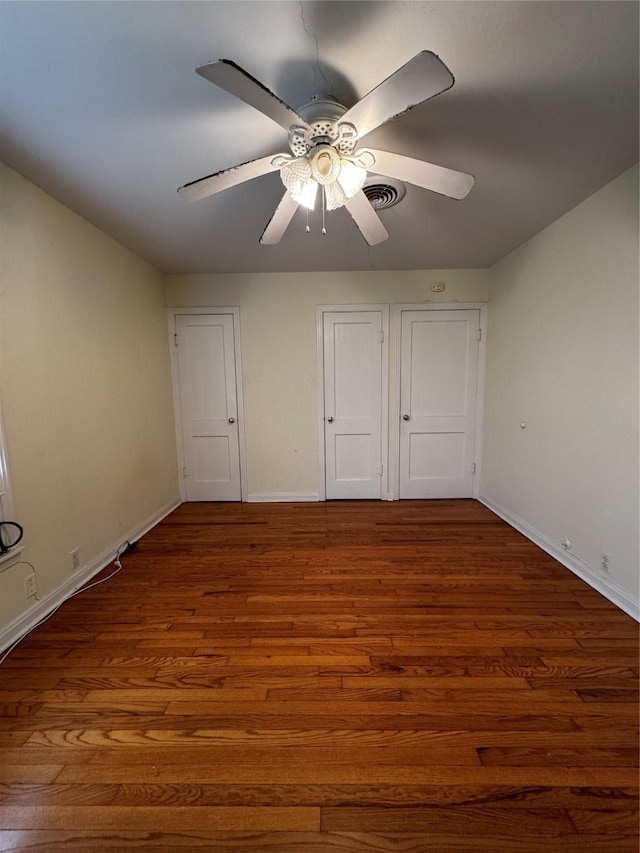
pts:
[324, 206]
[307, 228]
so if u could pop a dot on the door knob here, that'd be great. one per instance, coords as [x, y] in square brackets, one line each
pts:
[330, 419]
[405, 417]
[232, 420]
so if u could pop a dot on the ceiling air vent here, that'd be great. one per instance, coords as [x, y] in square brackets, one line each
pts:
[383, 192]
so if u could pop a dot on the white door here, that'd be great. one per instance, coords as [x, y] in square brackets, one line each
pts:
[209, 406]
[438, 389]
[353, 371]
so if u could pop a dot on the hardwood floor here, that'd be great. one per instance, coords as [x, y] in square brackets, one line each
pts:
[367, 677]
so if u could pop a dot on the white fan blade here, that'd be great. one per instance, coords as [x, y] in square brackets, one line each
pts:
[280, 220]
[438, 179]
[366, 219]
[233, 79]
[421, 78]
[212, 184]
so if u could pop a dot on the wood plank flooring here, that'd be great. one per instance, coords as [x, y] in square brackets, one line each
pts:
[350, 677]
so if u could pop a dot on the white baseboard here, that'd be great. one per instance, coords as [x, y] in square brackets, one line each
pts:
[284, 497]
[41, 609]
[602, 584]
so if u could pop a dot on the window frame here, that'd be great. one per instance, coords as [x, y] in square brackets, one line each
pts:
[7, 511]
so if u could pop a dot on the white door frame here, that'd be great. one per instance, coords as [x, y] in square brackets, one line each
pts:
[394, 443]
[173, 350]
[321, 310]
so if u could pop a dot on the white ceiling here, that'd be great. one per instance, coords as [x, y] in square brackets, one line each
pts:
[101, 107]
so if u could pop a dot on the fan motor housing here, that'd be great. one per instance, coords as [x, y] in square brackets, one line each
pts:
[322, 107]
[322, 113]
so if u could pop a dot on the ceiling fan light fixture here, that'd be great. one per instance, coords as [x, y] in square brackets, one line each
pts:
[341, 177]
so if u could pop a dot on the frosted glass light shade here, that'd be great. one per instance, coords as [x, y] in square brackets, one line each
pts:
[306, 195]
[325, 164]
[334, 196]
[351, 178]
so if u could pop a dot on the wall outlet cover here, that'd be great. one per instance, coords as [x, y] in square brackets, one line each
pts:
[30, 586]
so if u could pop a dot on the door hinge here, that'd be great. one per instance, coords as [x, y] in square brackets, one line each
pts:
[381, 336]
[473, 468]
[379, 469]
[479, 335]
[185, 473]
[175, 339]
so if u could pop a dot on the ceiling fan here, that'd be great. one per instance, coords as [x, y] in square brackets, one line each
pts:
[323, 140]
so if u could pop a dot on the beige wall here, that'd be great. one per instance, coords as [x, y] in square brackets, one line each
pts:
[278, 334]
[85, 388]
[563, 357]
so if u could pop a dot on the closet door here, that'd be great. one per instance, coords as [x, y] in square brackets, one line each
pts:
[209, 406]
[353, 394]
[438, 391]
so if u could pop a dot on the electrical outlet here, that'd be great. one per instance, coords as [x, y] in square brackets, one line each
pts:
[75, 559]
[30, 586]
[604, 562]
